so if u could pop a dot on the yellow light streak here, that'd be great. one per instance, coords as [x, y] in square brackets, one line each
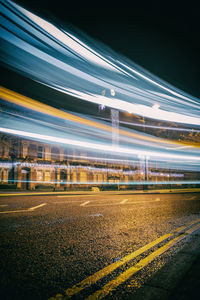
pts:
[32, 104]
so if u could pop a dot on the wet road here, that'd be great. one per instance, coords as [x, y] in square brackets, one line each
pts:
[107, 243]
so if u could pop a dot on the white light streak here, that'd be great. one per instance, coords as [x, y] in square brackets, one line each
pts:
[97, 146]
[66, 39]
[99, 183]
[86, 68]
[141, 110]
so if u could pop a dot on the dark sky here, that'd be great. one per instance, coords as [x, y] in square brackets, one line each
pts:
[164, 38]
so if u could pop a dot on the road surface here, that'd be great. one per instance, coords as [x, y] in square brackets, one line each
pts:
[90, 246]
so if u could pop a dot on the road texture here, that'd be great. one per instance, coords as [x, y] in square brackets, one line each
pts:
[94, 245]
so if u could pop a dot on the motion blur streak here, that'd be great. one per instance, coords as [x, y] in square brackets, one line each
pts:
[71, 63]
[114, 183]
[98, 146]
[29, 103]
[74, 64]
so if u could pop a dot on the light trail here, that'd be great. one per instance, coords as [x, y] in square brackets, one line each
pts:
[84, 69]
[88, 168]
[137, 109]
[69, 63]
[22, 101]
[154, 126]
[84, 134]
[136, 182]
[98, 146]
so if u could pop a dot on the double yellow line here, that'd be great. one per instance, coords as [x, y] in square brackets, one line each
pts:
[178, 234]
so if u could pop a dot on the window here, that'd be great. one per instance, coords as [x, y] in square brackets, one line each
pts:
[1, 175]
[63, 176]
[40, 153]
[2, 149]
[83, 177]
[55, 153]
[32, 150]
[100, 177]
[39, 175]
[47, 176]
[74, 177]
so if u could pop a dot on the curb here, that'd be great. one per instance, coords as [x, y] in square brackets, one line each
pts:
[178, 278]
[33, 193]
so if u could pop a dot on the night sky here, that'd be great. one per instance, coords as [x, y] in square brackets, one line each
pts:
[163, 38]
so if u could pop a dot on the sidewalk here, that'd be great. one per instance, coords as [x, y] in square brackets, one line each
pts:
[189, 287]
[179, 279]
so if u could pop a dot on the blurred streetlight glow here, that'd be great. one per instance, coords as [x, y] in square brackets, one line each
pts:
[156, 106]
[112, 92]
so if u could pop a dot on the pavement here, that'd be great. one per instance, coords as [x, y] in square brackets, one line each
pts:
[179, 279]
[45, 230]
[189, 286]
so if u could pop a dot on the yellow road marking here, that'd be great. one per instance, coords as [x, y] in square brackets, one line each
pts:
[110, 268]
[84, 203]
[35, 207]
[123, 201]
[113, 284]
[107, 270]
[22, 210]
[69, 196]
[13, 211]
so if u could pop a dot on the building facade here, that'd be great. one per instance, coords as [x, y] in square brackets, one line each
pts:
[32, 165]
[27, 164]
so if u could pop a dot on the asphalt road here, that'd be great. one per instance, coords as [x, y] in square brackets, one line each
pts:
[91, 245]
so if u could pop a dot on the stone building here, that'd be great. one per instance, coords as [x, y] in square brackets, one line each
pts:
[31, 165]
[28, 164]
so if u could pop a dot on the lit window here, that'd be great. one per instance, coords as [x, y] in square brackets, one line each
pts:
[39, 175]
[47, 176]
[83, 177]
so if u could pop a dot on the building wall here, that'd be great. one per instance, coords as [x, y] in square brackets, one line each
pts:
[26, 164]
[31, 165]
